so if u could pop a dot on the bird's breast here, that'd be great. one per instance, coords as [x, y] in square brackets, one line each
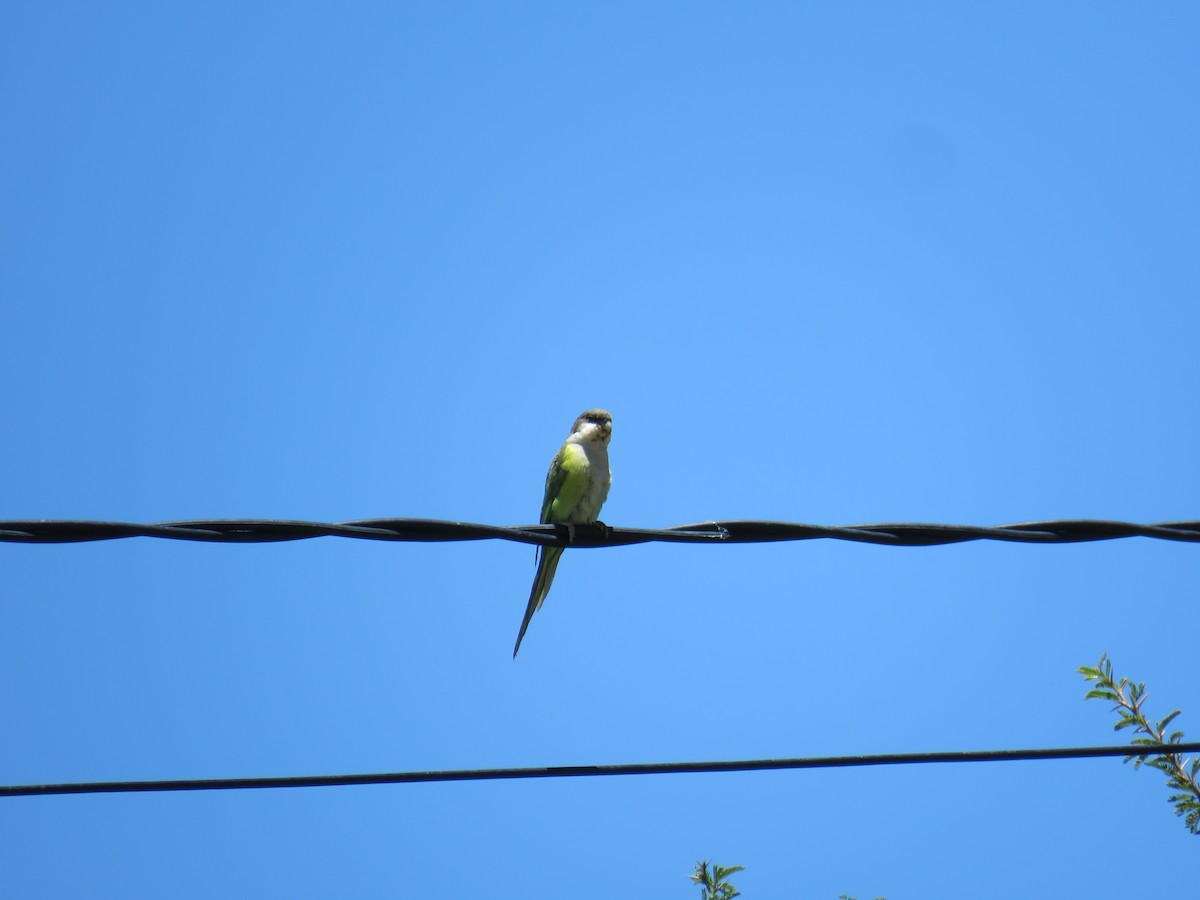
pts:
[599, 478]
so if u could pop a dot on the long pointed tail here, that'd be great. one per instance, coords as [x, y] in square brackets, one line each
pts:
[541, 587]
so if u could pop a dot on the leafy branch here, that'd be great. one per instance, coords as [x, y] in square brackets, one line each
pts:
[714, 886]
[1128, 706]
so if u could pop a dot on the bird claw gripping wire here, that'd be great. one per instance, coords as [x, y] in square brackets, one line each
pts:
[589, 534]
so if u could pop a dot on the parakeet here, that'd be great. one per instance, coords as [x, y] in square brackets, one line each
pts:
[576, 487]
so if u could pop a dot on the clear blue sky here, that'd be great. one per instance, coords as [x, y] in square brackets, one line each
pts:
[830, 263]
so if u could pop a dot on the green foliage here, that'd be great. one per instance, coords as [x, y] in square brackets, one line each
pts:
[714, 886]
[1180, 775]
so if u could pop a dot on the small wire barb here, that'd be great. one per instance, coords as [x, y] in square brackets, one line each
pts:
[249, 531]
[745, 765]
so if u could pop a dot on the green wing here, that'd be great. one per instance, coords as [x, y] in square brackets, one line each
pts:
[566, 483]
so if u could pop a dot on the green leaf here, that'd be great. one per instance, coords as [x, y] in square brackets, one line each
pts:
[1163, 723]
[1163, 765]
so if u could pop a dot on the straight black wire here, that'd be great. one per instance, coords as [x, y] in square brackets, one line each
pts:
[747, 765]
[1065, 531]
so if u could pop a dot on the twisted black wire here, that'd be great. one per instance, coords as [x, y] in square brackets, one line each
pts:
[743, 765]
[1065, 531]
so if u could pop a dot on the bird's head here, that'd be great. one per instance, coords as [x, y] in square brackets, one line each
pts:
[593, 425]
